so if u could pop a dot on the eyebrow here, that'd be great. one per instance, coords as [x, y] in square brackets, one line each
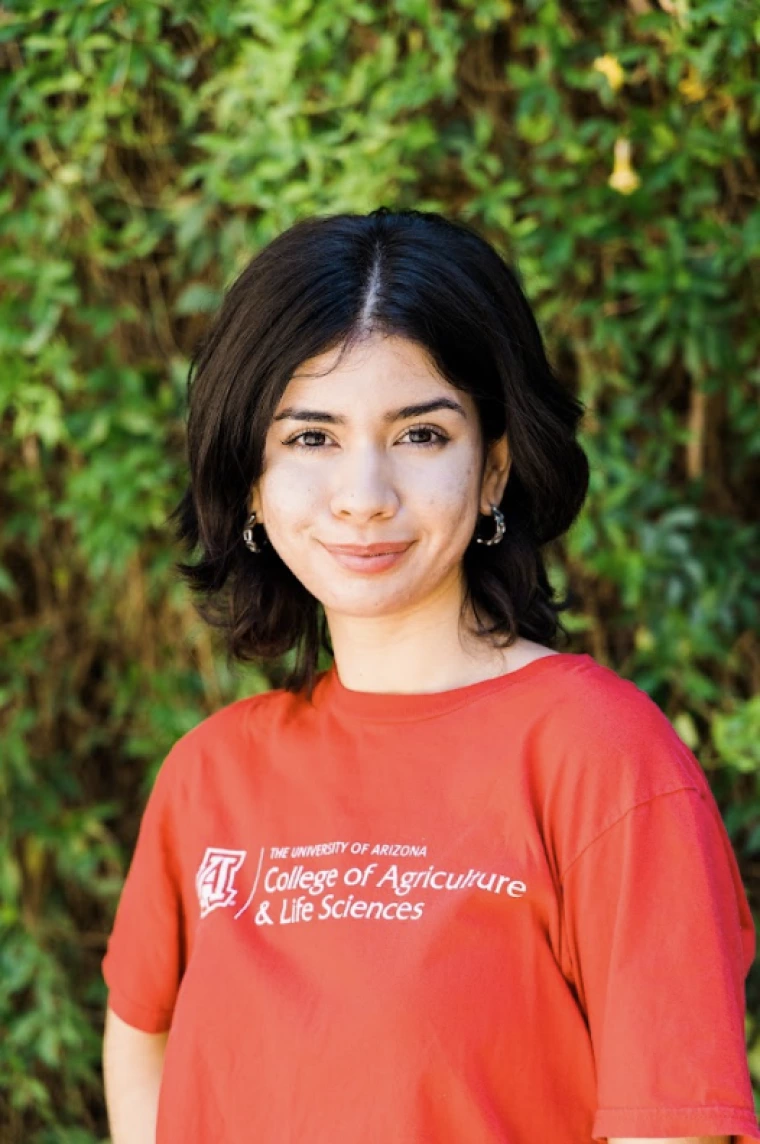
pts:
[392, 415]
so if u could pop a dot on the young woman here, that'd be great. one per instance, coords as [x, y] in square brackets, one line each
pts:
[460, 886]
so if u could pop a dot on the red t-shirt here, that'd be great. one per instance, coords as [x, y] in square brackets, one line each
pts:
[507, 912]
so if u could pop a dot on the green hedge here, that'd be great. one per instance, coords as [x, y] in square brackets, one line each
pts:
[147, 150]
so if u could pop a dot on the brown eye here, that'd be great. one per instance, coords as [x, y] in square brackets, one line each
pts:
[307, 433]
[439, 437]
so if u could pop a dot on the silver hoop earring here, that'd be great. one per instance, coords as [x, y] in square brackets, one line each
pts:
[500, 529]
[248, 535]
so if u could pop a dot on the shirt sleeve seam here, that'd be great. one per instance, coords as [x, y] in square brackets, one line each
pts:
[168, 792]
[742, 1109]
[149, 1011]
[621, 816]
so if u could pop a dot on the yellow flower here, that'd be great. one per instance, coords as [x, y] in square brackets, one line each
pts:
[623, 178]
[692, 87]
[610, 67]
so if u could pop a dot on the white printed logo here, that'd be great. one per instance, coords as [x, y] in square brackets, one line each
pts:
[215, 877]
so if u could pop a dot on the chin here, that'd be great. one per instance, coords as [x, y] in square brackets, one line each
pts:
[366, 604]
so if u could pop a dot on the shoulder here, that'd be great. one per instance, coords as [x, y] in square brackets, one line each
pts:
[597, 711]
[227, 736]
[606, 747]
[601, 748]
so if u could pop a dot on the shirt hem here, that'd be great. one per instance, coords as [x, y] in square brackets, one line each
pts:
[139, 1016]
[739, 1124]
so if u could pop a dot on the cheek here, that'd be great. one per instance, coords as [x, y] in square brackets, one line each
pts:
[451, 492]
[289, 493]
[295, 494]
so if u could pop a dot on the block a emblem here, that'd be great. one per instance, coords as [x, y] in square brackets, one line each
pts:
[215, 878]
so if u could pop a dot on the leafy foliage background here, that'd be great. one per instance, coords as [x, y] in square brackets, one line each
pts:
[148, 149]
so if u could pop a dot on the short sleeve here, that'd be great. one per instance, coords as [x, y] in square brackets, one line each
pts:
[658, 938]
[145, 955]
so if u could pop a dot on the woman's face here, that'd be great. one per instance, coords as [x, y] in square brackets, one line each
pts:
[345, 463]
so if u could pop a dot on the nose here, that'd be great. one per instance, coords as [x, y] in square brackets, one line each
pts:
[363, 486]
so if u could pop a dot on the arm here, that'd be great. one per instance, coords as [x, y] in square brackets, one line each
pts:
[671, 1140]
[132, 1067]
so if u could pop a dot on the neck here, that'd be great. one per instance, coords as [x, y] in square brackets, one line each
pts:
[418, 650]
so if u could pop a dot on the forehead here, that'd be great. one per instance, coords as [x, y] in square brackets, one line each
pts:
[375, 373]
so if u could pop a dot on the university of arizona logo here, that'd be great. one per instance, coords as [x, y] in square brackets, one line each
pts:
[215, 877]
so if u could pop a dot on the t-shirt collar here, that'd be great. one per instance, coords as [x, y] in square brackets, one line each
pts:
[395, 706]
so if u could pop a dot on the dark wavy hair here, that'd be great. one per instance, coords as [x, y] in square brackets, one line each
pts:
[325, 283]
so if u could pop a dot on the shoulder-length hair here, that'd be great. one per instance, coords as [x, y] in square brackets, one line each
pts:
[327, 282]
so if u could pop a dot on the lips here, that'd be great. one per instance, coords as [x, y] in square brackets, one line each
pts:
[380, 549]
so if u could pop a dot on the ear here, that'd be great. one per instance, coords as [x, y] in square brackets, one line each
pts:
[254, 502]
[496, 468]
